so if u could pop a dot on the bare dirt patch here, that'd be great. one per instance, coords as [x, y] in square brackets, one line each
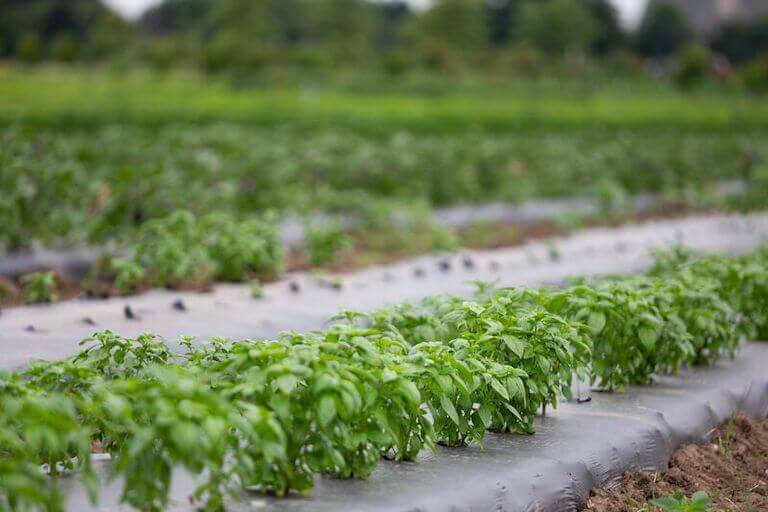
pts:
[732, 468]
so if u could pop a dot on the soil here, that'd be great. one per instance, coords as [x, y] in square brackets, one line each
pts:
[732, 468]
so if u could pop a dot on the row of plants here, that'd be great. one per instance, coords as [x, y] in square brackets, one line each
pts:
[686, 310]
[188, 251]
[271, 415]
[101, 185]
[181, 250]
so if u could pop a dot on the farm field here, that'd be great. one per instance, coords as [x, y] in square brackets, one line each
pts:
[383, 255]
[182, 183]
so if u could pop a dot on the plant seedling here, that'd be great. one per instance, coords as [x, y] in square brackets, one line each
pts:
[257, 291]
[677, 502]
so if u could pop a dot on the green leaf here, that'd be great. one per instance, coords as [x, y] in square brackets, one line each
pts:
[410, 391]
[648, 337]
[326, 410]
[557, 302]
[388, 375]
[496, 385]
[667, 503]
[185, 435]
[286, 383]
[514, 344]
[596, 322]
[449, 408]
[514, 411]
[700, 499]
[485, 415]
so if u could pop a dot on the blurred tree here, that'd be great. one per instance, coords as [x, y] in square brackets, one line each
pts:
[175, 16]
[692, 66]
[28, 48]
[559, 26]
[248, 34]
[740, 41]
[456, 25]
[662, 31]
[610, 36]
[755, 74]
[343, 27]
[503, 19]
[64, 48]
[34, 29]
[391, 18]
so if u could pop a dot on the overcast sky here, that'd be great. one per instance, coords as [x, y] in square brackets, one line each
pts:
[630, 10]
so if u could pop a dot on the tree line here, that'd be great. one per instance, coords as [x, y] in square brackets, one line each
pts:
[252, 34]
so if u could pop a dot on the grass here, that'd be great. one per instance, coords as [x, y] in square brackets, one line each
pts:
[65, 97]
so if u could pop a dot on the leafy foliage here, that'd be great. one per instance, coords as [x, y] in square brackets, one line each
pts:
[182, 248]
[39, 287]
[40, 431]
[677, 502]
[271, 415]
[323, 243]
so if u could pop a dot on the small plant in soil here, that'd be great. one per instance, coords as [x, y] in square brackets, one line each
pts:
[678, 502]
[257, 291]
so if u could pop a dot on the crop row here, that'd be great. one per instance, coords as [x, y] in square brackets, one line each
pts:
[271, 415]
[98, 186]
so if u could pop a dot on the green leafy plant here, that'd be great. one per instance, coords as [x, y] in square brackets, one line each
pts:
[323, 243]
[129, 275]
[634, 334]
[171, 418]
[171, 250]
[41, 431]
[182, 249]
[40, 287]
[678, 502]
[241, 249]
[113, 356]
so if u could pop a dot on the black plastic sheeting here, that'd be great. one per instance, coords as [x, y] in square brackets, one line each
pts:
[576, 447]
